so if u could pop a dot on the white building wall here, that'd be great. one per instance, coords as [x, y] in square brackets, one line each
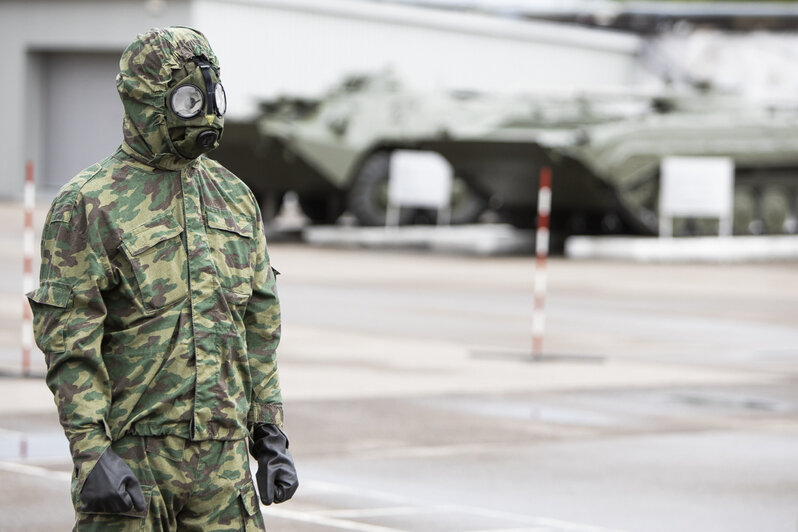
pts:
[272, 47]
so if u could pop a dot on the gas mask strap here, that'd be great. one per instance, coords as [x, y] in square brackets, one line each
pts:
[206, 67]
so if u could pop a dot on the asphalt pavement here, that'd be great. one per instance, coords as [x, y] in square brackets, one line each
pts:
[667, 399]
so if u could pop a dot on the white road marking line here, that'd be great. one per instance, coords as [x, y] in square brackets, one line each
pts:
[548, 524]
[380, 512]
[539, 524]
[330, 487]
[513, 530]
[35, 471]
[430, 451]
[325, 519]
[343, 524]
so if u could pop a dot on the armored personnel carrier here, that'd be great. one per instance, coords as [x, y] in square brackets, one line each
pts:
[604, 149]
[626, 154]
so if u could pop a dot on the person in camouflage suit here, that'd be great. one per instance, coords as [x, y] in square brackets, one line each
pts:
[158, 315]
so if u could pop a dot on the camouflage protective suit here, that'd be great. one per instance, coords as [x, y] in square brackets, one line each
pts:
[157, 310]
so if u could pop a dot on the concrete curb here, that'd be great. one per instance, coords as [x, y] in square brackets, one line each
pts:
[686, 249]
[485, 239]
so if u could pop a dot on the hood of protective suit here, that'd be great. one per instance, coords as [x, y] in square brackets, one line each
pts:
[149, 68]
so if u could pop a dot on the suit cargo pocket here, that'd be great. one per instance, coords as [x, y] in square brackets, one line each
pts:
[231, 239]
[251, 516]
[51, 304]
[115, 516]
[158, 260]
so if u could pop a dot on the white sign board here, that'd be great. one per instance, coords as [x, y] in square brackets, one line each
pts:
[419, 179]
[696, 187]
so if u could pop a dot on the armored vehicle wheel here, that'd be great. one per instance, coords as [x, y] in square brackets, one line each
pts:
[466, 205]
[321, 208]
[368, 198]
[270, 203]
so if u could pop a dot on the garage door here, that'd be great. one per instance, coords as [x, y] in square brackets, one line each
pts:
[82, 113]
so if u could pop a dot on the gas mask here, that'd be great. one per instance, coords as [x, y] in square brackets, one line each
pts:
[195, 110]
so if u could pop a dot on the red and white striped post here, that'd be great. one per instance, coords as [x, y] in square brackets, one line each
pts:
[28, 243]
[541, 253]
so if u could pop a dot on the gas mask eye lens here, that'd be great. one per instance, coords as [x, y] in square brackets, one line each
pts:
[221, 99]
[187, 101]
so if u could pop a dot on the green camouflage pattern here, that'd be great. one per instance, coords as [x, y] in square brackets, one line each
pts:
[157, 309]
[187, 485]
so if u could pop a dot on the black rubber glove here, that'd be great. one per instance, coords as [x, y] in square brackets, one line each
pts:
[111, 487]
[277, 481]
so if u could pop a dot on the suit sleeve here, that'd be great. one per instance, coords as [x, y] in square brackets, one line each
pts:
[262, 322]
[68, 315]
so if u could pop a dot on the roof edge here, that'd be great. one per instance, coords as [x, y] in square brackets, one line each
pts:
[447, 20]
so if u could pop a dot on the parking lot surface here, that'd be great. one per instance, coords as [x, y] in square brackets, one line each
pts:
[667, 399]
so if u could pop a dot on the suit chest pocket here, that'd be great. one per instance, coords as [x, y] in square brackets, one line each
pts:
[158, 261]
[230, 237]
